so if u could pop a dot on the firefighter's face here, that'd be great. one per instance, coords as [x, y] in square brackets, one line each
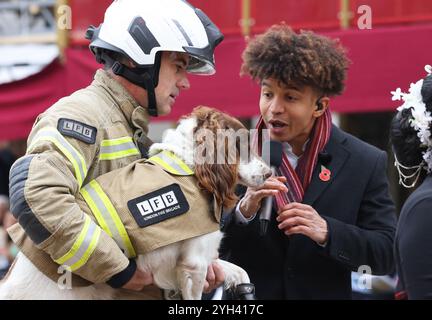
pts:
[172, 79]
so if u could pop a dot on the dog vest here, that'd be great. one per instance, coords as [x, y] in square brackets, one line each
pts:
[150, 204]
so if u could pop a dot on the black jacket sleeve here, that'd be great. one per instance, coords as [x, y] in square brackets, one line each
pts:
[370, 241]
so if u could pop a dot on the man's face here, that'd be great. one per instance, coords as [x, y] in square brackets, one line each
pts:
[172, 79]
[288, 111]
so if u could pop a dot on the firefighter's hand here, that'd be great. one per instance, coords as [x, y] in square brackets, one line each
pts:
[139, 280]
[215, 277]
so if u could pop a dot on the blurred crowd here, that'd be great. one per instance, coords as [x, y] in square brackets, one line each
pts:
[9, 152]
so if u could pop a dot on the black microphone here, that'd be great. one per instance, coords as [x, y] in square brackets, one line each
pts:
[273, 152]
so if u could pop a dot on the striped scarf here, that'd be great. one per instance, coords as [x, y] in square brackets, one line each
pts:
[298, 180]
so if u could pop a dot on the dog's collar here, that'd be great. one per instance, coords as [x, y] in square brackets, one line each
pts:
[171, 163]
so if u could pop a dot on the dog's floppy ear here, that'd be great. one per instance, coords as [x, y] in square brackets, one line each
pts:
[217, 178]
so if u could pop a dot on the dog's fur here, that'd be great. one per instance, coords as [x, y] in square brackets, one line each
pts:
[180, 267]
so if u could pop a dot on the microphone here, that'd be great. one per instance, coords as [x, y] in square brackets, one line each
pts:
[273, 152]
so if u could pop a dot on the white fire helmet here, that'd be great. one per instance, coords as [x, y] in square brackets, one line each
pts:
[139, 29]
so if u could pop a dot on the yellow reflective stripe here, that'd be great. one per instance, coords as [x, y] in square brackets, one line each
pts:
[76, 244]
[95, 210]
[117, 148]
[171, 163]
[115, 142]
[115, 217]
[75, 158]
[119, 154]
[88, 252]
[179, 162]
[83, 246]
[164, 165]
[107, 215]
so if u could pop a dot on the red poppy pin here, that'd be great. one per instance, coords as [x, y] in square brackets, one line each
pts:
[325, 174]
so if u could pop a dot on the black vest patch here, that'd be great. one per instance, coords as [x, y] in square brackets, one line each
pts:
[77, 130]
[159, 205]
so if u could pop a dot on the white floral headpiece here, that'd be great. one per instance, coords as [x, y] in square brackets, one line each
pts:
[421, 118]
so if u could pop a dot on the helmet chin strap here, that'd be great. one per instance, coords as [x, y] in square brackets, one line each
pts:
[146, 78]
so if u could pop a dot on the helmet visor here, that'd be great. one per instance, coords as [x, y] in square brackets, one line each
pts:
[200, 66]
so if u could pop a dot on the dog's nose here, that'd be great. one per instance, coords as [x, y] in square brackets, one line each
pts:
[268, 175]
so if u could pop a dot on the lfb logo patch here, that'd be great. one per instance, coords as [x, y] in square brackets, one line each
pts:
[159, 205]
[77, 130]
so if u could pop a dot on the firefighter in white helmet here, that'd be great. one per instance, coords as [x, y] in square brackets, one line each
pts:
[147, 48]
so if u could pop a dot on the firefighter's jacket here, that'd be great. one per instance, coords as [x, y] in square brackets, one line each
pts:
[150, 204]
[147, 205]
[94, 131]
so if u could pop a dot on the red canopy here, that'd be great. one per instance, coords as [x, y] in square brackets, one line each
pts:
[383, 59]
[305, 14]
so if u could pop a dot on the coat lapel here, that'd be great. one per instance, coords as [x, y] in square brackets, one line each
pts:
[339, 155]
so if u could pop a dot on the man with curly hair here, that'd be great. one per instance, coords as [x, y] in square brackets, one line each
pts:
[332, 213]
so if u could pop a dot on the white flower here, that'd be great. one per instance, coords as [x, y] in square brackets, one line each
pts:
[421, 118]
[397, 95]
[427, 156]
[415, 91]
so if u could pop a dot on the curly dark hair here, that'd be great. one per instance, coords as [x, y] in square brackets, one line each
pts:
[406, 144]
[303, 59]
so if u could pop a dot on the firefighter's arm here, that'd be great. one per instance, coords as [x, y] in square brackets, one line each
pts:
[43, 189]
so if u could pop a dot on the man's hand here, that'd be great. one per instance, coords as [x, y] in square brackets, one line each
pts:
[251, 202]
[139, 280]
[215, 277]
[299, 218]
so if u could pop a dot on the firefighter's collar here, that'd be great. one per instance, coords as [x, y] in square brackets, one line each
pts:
[171, 163]
[135, 114]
